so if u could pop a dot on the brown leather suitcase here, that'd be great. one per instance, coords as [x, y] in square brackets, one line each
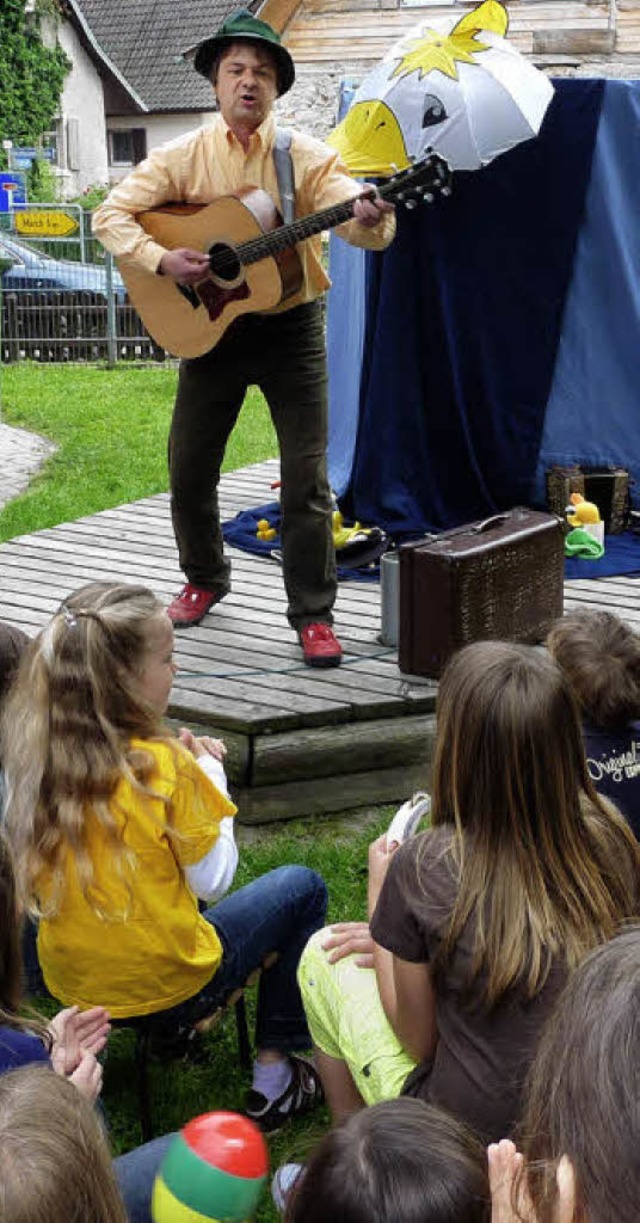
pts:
[501, 578]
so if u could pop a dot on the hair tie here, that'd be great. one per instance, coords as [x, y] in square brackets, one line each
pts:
[70, 617]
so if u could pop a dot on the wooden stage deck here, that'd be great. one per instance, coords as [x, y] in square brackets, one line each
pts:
[300, 742]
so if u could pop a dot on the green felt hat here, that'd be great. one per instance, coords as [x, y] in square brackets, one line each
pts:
[239, 26]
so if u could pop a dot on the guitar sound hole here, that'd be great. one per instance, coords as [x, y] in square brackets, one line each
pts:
[224, 263]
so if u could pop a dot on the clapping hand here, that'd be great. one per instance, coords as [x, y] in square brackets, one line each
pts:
[203, 745]
[509, 1198]
[78, 1037]
[380, 855]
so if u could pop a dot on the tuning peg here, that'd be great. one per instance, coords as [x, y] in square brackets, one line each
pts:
[445, 191]
[411, 204]
[427, 197]
[400, 197]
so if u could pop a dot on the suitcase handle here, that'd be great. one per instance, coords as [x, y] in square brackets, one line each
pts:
[496, 520]
[488, 523]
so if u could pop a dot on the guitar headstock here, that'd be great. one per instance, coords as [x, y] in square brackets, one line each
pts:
[422, 182]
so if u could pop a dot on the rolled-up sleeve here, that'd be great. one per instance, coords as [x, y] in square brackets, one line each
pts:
[153, 182]
[327, 182]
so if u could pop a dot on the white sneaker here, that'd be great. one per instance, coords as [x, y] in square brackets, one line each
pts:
[285, 1178]
[406, 819]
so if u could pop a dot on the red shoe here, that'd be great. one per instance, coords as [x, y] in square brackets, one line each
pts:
[189, 607]
[320, 646]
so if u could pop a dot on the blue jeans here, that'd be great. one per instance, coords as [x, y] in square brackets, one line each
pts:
[278, 912]
[136, 1173]
[31, 970]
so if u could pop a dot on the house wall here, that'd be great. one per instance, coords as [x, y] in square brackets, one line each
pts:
[159, 129]
[82, 143]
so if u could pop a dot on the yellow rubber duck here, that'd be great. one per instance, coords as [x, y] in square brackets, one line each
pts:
[264, 529]
[343, 535]
[581, 512]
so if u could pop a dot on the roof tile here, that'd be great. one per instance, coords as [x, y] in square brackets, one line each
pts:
[145, 39]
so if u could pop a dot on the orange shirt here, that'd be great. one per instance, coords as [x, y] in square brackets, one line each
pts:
[211, 162]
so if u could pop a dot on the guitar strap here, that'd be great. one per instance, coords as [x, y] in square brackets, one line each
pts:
[284, 173]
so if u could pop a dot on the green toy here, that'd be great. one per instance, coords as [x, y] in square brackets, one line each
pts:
[581, 543]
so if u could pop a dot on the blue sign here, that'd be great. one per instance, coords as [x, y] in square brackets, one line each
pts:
[13, 189]
[23, 157]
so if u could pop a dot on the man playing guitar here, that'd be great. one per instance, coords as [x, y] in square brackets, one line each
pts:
[282, 350]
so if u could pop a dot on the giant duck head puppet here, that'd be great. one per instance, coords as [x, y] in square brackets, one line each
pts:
[456, 86]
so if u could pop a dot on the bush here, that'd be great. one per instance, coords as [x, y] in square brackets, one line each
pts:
[92, 196]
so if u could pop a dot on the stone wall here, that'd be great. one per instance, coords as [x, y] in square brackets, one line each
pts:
[312, 104]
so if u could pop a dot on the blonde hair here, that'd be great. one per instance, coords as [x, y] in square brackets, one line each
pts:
[54, 1160]
[546, 867]
[67, 727]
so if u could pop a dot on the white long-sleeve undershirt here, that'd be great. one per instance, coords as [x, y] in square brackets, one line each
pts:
[213, 875]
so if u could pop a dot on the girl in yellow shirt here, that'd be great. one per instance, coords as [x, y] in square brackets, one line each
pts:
[118, 828]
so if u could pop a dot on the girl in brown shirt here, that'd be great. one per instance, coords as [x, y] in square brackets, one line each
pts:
[476, 923]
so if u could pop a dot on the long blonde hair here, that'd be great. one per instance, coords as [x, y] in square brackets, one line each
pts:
[54, 1161]
[546, 867]
[67, 727]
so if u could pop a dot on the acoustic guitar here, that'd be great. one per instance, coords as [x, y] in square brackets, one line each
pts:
[253, 261]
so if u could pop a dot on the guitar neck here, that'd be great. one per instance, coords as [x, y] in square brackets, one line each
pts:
[288, 235]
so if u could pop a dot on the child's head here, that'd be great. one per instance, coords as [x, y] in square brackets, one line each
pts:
[98, 650]
[98, 676]
[508, 743]
[600, 657]
[584, 1092]
[13, 643]
[54, 1161]
[541, 856]
[402, 1161]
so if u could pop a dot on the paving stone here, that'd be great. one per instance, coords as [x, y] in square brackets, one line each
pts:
[21, 454]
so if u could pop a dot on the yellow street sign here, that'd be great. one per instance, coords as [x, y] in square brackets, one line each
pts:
[42, 224]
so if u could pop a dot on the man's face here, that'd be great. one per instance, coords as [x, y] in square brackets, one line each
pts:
[246, 85]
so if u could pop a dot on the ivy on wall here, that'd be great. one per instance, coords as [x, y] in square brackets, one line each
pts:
[31, 75]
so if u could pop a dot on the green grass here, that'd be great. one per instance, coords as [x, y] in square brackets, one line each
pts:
[110, 427]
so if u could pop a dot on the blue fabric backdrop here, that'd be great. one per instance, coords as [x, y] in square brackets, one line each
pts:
[500, 331]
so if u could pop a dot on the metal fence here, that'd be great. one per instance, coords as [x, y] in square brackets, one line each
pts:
[61, 297]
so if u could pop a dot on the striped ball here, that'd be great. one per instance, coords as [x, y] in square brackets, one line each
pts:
[213, 1172]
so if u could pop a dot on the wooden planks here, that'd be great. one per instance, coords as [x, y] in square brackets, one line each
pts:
[242, 666]
[300, 742]
[359, 31]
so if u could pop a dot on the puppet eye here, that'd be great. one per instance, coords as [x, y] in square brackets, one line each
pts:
[434, 111]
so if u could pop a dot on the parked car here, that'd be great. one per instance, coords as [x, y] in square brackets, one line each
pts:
[57, 310]
[31, 269]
